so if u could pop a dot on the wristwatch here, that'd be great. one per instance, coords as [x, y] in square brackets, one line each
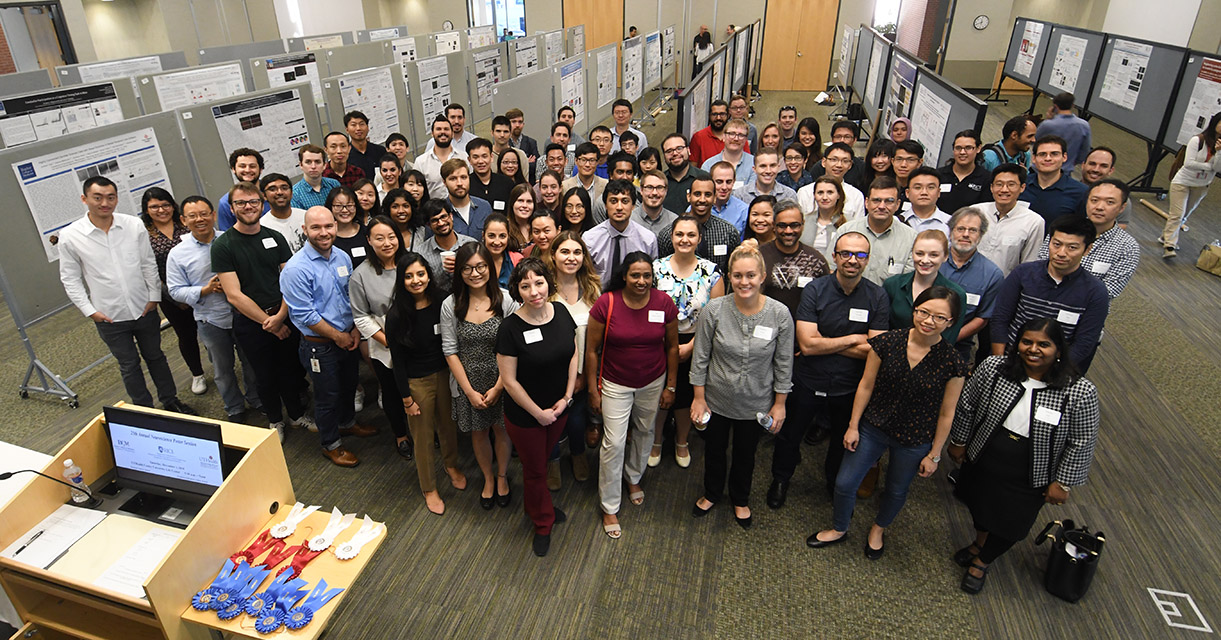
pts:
[672, 389]
[935, 459]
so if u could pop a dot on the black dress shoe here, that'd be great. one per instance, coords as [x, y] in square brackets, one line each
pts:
[965, 555]
[698, 512]
[874, 554]
[777, 493]
[488, 502]
[503, 500]
[405, 449]
[542, 543]
[814, 543]
[178, 406]
[972, 584]
[560, 516]
[744, 522]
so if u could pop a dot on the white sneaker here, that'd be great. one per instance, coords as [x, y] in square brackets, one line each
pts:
[360, 399]
[199, 385]
[306, 422]
[279, 427]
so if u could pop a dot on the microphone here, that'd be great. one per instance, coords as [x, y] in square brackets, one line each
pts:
[93, 500]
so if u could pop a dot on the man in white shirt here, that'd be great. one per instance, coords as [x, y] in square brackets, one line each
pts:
[1015, 233]
[107, 268]
[282, 217]
[456, 115]
[440, 149]
[836, 162]
[920, 212]
[621, 112]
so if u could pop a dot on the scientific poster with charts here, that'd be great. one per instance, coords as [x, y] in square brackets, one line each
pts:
[434, 87]
[1067, 65]
[875, 72]
[196, 86]
[487, 73]
[1205, 100]
[578, 39]
[608, 88]
[1125, 73]
[527, 57]
[845, 55]
[323, 42]
[572, 87]
[481, 36]
[448, 42]
[632, 69]
[667, 46]
[372, 93]
[652, 59]
[57, 112]
[739, 62]
[52, 183]
[699, 104]
[717, 77]
[1032, 35]
[930, 118]
[403, 50]
[554, 43]
[92, 73]
[902, 83]
[383, 34]
[273, 125]
[295, 67]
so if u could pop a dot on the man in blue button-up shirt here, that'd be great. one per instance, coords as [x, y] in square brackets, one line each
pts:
[191, 280]
[314, 283]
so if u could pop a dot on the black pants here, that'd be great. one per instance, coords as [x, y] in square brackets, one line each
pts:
[802, 406]
[392, 400]
[183, 322]
[277, 366]
[745, 435]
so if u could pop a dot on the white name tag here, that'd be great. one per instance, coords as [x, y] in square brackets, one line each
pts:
[737, 184]
[945, 188]
[820, 394]
[763, 333]
[719, 249]
[436, 329]
[315, 366]
[1050, 416]
[973, 299]
[858, 315]
[358, 252]
[657, 316]
[1068, 317]
[499, 205]
[895, 269]
[269, 243]
[802, 281]
[342, 271]
[532, 336]
[1100, 268]
[572, 147]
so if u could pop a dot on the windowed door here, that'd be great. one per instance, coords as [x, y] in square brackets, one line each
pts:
[507, 16]
[37, 36]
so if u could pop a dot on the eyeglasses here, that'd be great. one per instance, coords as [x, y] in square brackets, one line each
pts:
[734, 134]
[964, 149]
[246, 204]
[921, 314]
[970, 230]
[584, 160]
[161, 207]
[344, 207]
[653, 188]
[475, 268]
[848, 255]
[780, 226]
[680, 147]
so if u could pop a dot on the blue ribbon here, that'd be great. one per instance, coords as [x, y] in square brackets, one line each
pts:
[206, 598]
[303, 613]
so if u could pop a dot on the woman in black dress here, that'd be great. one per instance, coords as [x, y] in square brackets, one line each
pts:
[1026, 424]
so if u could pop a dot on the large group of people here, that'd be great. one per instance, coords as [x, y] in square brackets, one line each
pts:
[744, 284]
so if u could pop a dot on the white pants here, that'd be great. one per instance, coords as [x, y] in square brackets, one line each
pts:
[1183, 201]
[623, 407]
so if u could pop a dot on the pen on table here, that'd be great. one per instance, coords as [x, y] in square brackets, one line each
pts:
[27, 543]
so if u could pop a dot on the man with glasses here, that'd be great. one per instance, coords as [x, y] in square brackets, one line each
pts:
[791, 265]
[909, 156]
[739, 107]
[767, 166]
[1051, 192]
[724, 204]
[1014, 232]
[978, 276]
[679, 170]
[890, 241]
[718, 238]
[612, 239]
[651, 213]
[742, 162]
[313, 188]
[439, 248]
[844, 132]
[710, 140]
[601, 138]
[837, 162]
[837, 314]
[282, 216]
[621, 113]
[963, 181]
[587, 178]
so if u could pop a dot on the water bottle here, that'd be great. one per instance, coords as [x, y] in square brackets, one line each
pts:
[702, 423]
[764, 420]
[75, 476]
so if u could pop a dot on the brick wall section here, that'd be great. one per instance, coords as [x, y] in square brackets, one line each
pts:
[6, 57]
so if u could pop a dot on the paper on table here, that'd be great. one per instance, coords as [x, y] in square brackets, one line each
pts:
[128, 573]
[60, 531]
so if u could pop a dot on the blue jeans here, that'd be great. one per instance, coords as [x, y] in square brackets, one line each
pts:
[574, 431]
[903, 467]
[129, 340]
[334, 387]
[222, 346]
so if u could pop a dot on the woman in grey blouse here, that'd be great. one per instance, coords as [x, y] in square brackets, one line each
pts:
[741, 370]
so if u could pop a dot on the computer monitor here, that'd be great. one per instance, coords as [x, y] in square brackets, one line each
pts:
[178, 458]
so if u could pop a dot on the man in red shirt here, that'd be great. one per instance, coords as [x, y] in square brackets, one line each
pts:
[710, 140]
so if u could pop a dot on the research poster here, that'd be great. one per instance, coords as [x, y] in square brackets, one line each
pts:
[130, 68]
[876, 56]
[608, 88]
[403, 50]
[899, 94]
[554, 43]
[526, 57]
[448, 42]
[1205, 100]
[930, 119]
[323, 42]
[1032, 35]
[578, 39]
[481, 36]
[718, 75]
[667, 46]
[52, 183]
[195, 86]
[487, 73]
[1125, 73]
[434, 86]
[383, 34]
[1067, 65]
[699, 104]
[295, 67]
[572, 87]
[632, 69]
[652, 59]
[739, 61]
[372, 93]
[57, 112]
[845, 56]
[272, 124]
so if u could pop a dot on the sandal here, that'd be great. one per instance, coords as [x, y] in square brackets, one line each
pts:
[965, 555]
[683, 460]
[974, 584]
[613, 531]
[637, 497]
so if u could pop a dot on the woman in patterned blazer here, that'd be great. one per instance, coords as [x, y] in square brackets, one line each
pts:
[1026, 424]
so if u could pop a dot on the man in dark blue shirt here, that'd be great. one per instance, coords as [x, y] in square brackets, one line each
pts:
[1051, 192]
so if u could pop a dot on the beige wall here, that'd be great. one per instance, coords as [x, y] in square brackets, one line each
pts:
[126, 28]
[544, 15]
[1206, 36]
[420, 16]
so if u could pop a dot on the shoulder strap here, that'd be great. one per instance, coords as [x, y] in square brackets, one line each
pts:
[605, 332]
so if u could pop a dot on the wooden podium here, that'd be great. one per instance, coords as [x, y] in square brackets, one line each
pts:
[60, 605]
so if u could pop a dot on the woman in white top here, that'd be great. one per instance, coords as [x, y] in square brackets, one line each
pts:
[1190, 184]
[389, 174]
[828, 215]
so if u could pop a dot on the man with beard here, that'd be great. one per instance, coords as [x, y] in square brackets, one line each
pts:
[459, 137]
[679, 170]
[439, 151]
[734, 152]
[767, 165]
[282, 216]
[315, 286]
[442, 240]
[978, 276]
[246, 165]
[651, 214]
[1014, 146]
[710, 140]
[791, 265]
[502, 139]
[363, 154]
[485, 183]
[337, 167]
[517, 125]
[471, 212]
[718, 238]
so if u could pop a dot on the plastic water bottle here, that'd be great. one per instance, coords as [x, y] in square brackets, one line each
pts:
[702, 423]
[75, 476]
[764, 420]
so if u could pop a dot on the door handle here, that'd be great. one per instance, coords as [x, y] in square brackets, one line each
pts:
[798, 54]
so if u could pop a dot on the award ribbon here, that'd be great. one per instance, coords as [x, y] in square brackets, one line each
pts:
[298, 513]
[368, 531]
[303, 613]
[334, 527]
[203, 600]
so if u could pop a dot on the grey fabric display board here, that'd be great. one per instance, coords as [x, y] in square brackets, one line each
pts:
[574, 40]
[540, 49]
[595, 114]
[359, 56]
[336, 107]
[260, 73]
[1010, 69]
[865, 44]
[243, 52]
[533, 93]
[1161, 76]
[387, 33]
[432, 43]
[693, 103]
[455, 76]
[50, 99]
[71, 74]
[12, 84]
[476, 78]
[1089, 61]
[299, 44]
[966, 110]
[1178, 123]
[152, 100]
[658, 63]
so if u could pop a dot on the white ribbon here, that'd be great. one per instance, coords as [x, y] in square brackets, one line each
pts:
[368, 531]
[289, 525]
[334, 527]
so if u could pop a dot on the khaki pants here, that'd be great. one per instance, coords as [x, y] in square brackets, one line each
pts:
[624, 408]
[436, 416]
[1183, 201]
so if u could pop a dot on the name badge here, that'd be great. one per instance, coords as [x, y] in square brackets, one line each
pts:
[1100, 268]
[973, 299]
[436, 329]
[820, 394]
[719, 249]
[737, 184]
[1068, 317]
[315, 366]
[358, 252]
[763, 333]
[499, 205]
[1050, 416]
[858, 315]
[532, 336]
[342, 271]
[895, 269]
[572, 147]
[802, 281]
[269, 243]
[658, 316]
[946, 188]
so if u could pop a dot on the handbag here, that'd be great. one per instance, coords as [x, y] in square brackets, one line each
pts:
[593, 430]
[1073, 560]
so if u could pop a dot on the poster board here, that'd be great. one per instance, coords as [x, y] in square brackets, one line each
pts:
[717, 63]
[741, 48]
[93, 72]
[1072, 61]
[900, 84]
[1199, 97]
[940, 109]
[574, 40]
[52, 113]
[241, 53]
[409, 48]
[570, 90]
[633, 68]
[532, 93]
[601, 83]
[844, 68]
[444, 43]
[377, 92]
[553, 48]
[476, 37]
[1028, 47]
[669, 49]
[526, 55]
[693, 103]
[653, 61]
[376, 35]
[12, 84]
[431, 84]
[873, 72]
[320, 41]
[174, 89]
[486, 66]
[359, 56]
[1135, 85]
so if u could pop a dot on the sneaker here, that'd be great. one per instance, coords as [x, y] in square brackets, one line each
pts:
[178, 406]
[305, 422]
[279, 427]
[360, 399]
[199, 385]
[1184, 228]
[1169, 252]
